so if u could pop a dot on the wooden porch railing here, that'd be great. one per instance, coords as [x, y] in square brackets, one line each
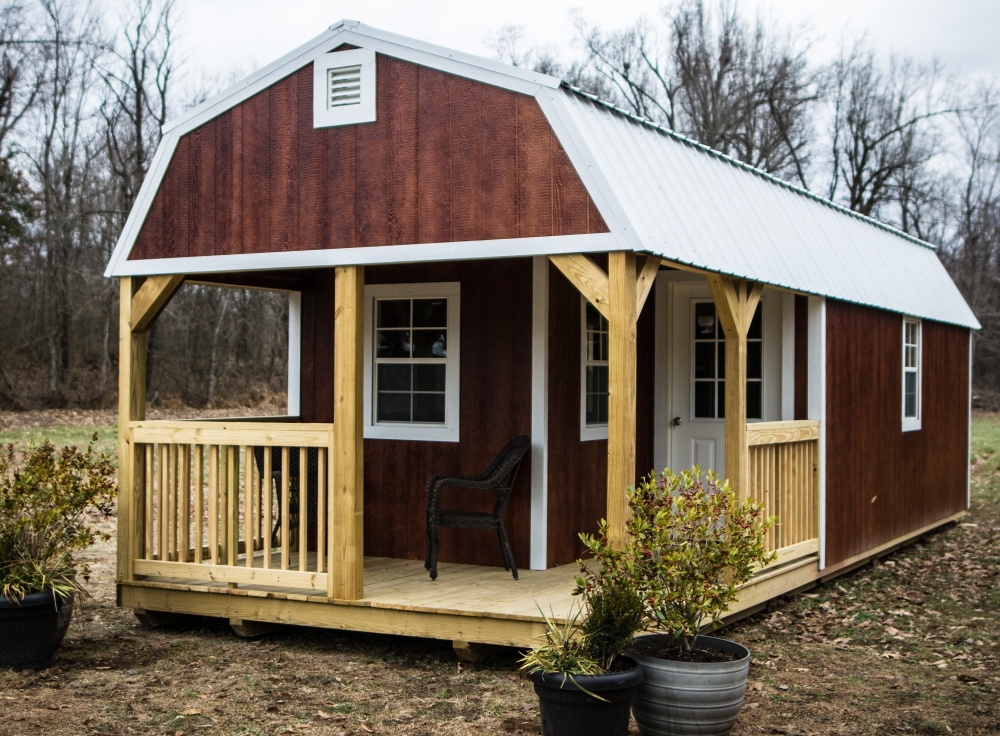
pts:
[784, 476]
[203, 509]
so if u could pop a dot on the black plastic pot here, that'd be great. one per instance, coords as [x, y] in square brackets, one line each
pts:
[65, 616]
[569, 711]
[29, 629]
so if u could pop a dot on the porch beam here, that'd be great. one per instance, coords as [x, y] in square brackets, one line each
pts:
[588, 278]
[644, 282]
[131, 408]
[735, 303]
[346, 524]
[621, 389]
[150, 300]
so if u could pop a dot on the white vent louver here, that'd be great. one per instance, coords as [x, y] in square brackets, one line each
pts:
[344, 88]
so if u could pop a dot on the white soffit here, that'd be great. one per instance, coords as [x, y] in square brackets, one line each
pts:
[685, 203]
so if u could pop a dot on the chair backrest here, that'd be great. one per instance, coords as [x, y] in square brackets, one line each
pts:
[312, 461]
[503, 468]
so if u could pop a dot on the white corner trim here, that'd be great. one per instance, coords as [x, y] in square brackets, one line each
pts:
[787, 356]
[817, 403]
[968, 454]
[370, 256]
[539, 413]
[294, 353]
[325, 116]
[449, 431]
[661, 410]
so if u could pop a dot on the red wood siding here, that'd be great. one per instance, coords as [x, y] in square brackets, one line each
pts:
[577, 482]
[448, 159]
[495, 408]
[801, 403]
[883, 482]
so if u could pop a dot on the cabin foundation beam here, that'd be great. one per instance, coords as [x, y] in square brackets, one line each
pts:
[346, 524]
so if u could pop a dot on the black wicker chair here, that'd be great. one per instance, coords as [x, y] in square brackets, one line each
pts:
[499, 476]
[312, 476]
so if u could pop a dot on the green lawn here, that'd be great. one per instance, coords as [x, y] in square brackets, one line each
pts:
[107, 437]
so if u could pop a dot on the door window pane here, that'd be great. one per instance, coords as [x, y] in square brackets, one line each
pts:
[709, 364]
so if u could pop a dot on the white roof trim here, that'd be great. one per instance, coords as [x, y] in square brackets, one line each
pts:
[370, 256]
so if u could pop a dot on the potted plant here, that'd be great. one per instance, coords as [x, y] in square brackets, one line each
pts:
[581, 675]
[691, 543]
[47, 501]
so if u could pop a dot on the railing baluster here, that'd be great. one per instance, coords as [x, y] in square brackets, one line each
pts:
[184, 514]
[172, 503]
[199, 470]
[267, 484]
[161, 506]
[213, 504]
[320, 507]
[284, 506]
[249, 504]
[232, 503]
[148, 551]
[303, 510]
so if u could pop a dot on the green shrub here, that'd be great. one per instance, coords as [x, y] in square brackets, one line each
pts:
[46, 505]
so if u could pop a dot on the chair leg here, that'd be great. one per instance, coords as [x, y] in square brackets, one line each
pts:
[503, 549]
[508, 554]
[434, 552]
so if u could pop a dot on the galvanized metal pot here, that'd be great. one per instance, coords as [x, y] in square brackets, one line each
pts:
[681, 698]
[568, 711]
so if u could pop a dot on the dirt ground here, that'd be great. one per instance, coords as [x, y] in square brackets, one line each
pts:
[908, 645]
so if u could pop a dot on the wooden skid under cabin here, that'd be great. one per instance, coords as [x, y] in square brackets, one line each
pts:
[474, 252]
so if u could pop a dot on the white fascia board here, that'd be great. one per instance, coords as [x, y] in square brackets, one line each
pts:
[371, 256]
[143, 201]
[553, 104]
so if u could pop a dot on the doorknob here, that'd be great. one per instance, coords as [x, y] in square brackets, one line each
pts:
[675, 422]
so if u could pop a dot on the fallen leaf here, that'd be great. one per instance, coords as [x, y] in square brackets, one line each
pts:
[324, 716]
[191, 712]
[782, 687]
[366, 729]
[969, 678]
[272, 709]
[103, 667]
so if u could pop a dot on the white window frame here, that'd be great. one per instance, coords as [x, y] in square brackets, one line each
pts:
[588, 432]
[912, 424]
[449, 431]
[325, 116]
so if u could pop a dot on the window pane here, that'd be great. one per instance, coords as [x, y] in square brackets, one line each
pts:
[393, 344]
[756, 325]
[393, 407]
[722, 399]
[393, 313]
[755, 400]
[704, 399]
[428, 377]
[910, 395]
[704, 360]
[430, 312]
[911, 357]
[430, 343]
[428, 408]
[393, 377]
[722, 359]
[594, 347]
[597, 409]
[704, 321]
[594, 318]
[755, 360]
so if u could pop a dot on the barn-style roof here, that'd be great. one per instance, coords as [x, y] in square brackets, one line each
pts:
[658, 192]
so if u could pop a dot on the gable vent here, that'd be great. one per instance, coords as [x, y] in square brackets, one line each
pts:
[345, 86]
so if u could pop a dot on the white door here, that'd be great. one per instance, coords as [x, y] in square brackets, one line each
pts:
[695, 432]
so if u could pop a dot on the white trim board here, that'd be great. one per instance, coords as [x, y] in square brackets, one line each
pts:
[370, 256]
[817, 403]
[539, 413]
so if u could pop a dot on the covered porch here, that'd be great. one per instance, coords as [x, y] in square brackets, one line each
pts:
[200, 524]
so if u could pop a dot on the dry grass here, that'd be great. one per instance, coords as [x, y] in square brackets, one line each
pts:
[909, 645]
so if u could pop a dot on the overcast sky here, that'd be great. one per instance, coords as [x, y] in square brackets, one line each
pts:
[219, 36]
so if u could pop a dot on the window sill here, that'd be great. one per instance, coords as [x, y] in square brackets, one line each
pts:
[588, 434]
[911, 425]
[411, 432]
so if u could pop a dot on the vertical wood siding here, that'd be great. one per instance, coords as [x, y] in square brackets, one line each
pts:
[448, 159]
[801, 402]
[883, 482]
[578, 470]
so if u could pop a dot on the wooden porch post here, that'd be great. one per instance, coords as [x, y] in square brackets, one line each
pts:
[621, 389]
[346, 554]
[735, 303]
[131, 408]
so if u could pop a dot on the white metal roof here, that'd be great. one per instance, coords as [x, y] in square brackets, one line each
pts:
[658, 193]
